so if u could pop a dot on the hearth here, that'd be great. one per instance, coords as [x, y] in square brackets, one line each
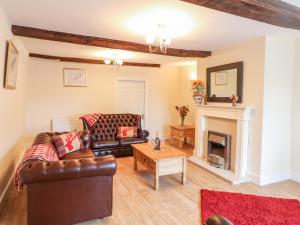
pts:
[218, 151]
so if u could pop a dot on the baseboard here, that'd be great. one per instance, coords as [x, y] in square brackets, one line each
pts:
[13, 174]
[271, 178]
[274, 178]
[255, 178]
[295, 177]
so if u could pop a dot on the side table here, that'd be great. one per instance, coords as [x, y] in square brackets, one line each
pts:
[182, 133]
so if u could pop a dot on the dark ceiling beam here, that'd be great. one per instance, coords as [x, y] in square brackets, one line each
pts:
[273, 12]
[99, 42]
[89, 61]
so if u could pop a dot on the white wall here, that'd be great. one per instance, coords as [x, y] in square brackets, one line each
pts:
[48, 98]
[252, 54]
[277, 110]
[295, 153]
[12, 112]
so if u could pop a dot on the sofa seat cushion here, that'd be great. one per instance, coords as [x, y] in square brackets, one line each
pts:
[105, 144]
[84, 153]
[129, 141]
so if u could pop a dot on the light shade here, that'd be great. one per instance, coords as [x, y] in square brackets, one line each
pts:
[119, 62]
[107, 61]
[166, 40]
[150, 40]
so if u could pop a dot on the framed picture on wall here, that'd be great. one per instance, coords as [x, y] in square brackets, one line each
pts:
[221, 78]
[11, 69]
[75, 77]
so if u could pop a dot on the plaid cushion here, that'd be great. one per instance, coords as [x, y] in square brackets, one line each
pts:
[36, 152]
[127, 132]
[91, 119]
[67, 143]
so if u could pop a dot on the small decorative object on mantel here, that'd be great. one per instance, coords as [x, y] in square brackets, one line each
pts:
[198, 88]
[157, 142]
[234, 99]
[183, 110]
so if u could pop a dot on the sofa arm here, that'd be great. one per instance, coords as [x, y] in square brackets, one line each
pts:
[144, 134]
[41, 171]
[217, 220]
[86, 139]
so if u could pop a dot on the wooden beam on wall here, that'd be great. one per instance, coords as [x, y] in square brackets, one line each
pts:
[100, 42]
[89, 61]
[273, 12]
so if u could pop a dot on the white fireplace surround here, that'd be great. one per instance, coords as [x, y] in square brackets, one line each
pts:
[242, 116]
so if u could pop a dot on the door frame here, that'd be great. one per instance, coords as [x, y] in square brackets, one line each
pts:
[145, 100]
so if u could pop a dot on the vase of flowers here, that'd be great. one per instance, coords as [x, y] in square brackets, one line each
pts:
[198, 88]
[183, 110]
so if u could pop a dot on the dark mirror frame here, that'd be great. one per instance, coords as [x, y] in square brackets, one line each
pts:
[237, 65]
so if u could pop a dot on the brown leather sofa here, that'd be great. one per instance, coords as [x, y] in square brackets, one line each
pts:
[104, 134]
[69, 191]
[217, 220]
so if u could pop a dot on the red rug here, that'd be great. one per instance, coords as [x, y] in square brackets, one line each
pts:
[242, 209]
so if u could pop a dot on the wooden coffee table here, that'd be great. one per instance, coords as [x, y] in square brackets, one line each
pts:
[167, 161]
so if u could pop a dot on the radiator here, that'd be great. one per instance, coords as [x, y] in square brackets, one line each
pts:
[61, 125]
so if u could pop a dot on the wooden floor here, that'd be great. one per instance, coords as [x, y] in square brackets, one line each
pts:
[137, 203]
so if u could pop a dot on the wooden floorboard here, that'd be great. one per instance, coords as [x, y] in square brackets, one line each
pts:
[136, 202]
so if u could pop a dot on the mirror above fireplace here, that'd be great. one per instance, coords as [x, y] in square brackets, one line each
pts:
[224, 81]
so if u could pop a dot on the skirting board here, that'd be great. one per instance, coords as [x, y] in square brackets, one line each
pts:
[295, 177]
[271, 178]
[254, 178]
[13, 174]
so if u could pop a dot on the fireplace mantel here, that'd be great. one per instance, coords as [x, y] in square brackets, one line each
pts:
[242, 116]
[226, 111]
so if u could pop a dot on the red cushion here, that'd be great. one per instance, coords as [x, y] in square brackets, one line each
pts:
[67, 143]
[127, 132]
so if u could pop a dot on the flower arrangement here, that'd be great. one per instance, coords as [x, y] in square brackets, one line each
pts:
[198, 86]
[183, 111]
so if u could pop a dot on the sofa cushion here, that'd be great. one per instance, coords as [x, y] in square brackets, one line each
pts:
[127, 132]
[67, 143]
[129, 141]
[83, 153]
[105, 144]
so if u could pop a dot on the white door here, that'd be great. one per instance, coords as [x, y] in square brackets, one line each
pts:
[131, 98]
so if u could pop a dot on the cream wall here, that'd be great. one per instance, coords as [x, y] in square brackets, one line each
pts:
[48, 98]
[186, 74]
[295, 153]
[12, 113]
[252, 54]
[277, 110]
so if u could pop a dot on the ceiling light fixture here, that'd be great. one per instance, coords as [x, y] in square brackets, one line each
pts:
[117, 62]
[161, 38]
[107, 61]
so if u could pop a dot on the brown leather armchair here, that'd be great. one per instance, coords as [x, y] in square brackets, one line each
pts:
[73, 190]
